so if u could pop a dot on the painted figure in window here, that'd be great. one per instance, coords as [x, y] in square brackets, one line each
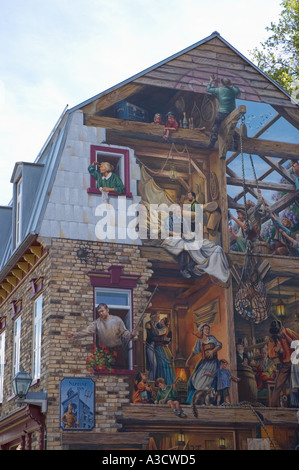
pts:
[207, 346]
[106, 179]
[170, 125]
[226, 95]
[142, 392]
[110, 331]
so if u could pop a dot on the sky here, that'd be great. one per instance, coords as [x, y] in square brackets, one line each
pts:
[58, 53]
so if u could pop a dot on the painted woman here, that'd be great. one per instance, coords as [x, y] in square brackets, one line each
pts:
[207, 346]
[165, 364]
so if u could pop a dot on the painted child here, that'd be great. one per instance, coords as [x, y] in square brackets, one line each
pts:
[224, 377]
[167, 394]
[171, 125]
[142, 392]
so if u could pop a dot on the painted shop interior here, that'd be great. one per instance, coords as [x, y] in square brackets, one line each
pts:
[57, 263]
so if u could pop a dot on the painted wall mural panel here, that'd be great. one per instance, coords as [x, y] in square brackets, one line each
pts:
[76, 405]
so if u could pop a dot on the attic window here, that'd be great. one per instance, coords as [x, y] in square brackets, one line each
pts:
[120, 159]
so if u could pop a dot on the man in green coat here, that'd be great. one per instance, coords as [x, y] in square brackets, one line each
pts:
[226, 95]
[106, 180]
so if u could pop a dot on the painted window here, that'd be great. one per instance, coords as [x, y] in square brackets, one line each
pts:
[19, 211]
[2, 363]
[119, 158]
[17, 345]
[37, 337]
[119, 303]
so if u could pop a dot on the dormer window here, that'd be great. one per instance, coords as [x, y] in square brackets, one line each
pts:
[19, 210]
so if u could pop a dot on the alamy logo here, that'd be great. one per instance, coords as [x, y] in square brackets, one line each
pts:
[148, 221]
[295, 354]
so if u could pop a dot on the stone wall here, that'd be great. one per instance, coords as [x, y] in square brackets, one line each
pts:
[68, 300]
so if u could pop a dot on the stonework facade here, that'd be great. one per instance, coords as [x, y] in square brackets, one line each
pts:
[68, 304]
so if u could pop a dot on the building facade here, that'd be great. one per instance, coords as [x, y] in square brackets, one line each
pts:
[76, 235]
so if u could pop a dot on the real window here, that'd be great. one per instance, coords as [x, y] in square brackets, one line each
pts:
[119, 303]
[2, 363]
[17, 345]
[37, 337]
[19, 211]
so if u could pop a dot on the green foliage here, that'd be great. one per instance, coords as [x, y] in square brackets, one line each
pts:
[279, 56]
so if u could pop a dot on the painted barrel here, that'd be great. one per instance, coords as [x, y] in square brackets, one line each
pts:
[261, 247]
[247, 387]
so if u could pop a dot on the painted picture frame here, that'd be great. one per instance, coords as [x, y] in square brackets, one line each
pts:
[77, 404]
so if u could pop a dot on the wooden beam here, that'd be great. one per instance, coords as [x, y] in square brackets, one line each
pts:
[256, 135]
[158, 149]
[146, 416]
[227, 129]
[270, 148]
[110, 98]
[286, 188]
[148, 131]
[290, 114]
[194, 138]
[166, 173]
[277, 167]
[283, 202]
[277, 280]
[284, 265]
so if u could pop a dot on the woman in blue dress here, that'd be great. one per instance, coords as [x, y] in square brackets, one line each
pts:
[208, 346]
[165, 363]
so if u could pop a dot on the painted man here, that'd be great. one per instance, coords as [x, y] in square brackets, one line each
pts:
[110, 330]
[226, 95]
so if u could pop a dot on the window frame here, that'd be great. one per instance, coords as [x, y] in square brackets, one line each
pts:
[17, 345]
[37, 338]
[111, 152]
[128, 325]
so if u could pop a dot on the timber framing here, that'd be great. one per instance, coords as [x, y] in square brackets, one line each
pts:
[154, 416]
[195, 139]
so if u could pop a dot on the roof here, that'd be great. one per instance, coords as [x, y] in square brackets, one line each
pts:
[209, 63]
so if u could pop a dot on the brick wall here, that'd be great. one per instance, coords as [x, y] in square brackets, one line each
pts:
[68, 300]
